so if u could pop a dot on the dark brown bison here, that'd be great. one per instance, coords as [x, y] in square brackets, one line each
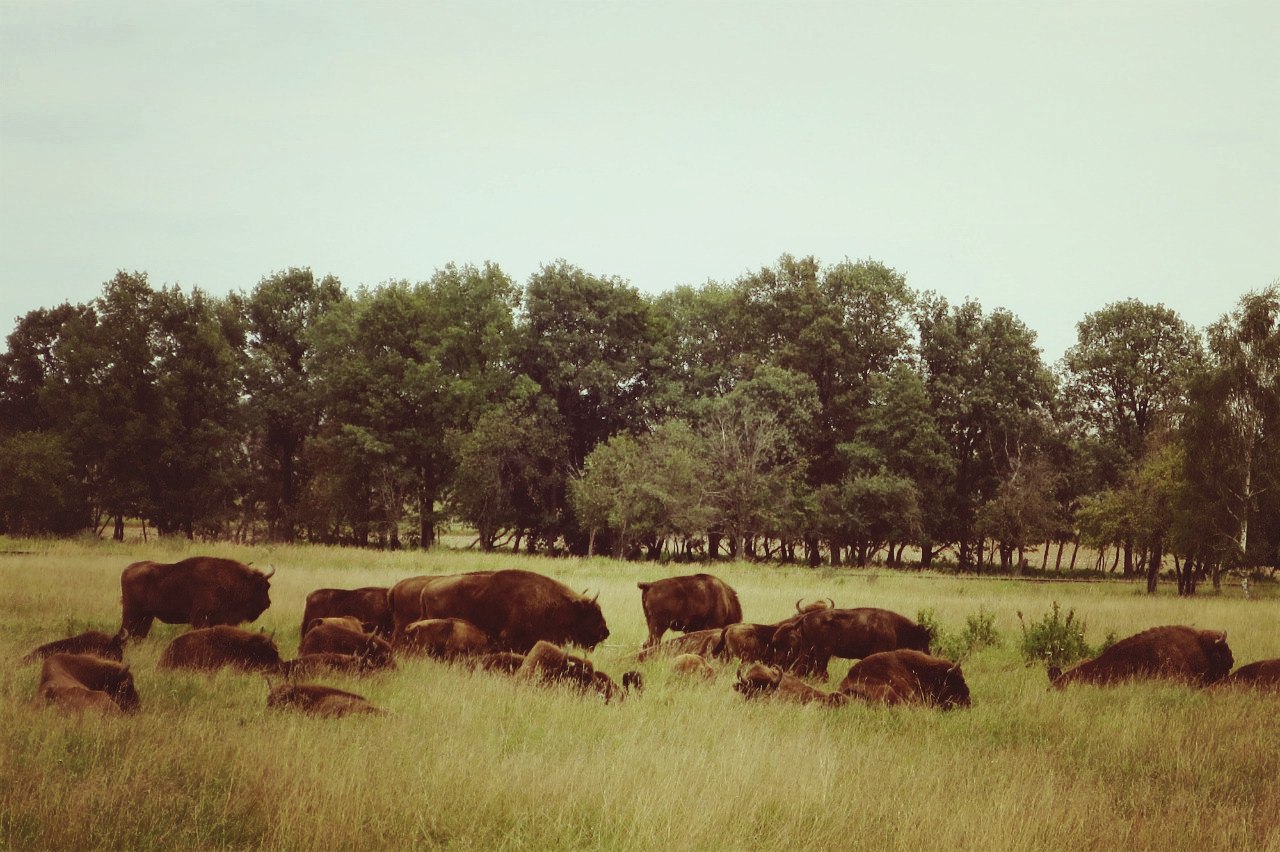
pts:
[405, 601]
[319, 700]
[515, 608]
[446, 638]
[906, 677]
[1174, 651]
[762, 681]
[701, 642]
[692, 666]
[201, 591]
[342, 636]
[86, 682]
[212, 648]
[368, 605]
[1264, 674]
[805, 643]
[93, 642]
[308, 664]
[686, 604]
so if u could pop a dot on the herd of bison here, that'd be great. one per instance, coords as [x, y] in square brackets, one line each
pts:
[518, 623]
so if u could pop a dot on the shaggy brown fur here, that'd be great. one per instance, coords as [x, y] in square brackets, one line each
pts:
[319, 700]
[1181, 653]
[85, 682]
[93, 642]
[213, 648]
[690, 603]
[762, 681]
[906, 677]
[201, 591]
[445, 638]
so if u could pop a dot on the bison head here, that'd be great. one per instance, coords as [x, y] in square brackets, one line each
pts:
[260, 652]
[122, 690]
[1216, 649]
[589, 629]
[258, 597]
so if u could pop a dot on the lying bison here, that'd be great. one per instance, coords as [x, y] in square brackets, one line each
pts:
[404, 599]
[319, 700]
[906, 677]
[309, 664]
[547, 664]
[212, 648]
[201, 591]
[692, 666]
[93, 642]
[446, 638]
[746, 642]
[1264, 674]
[515, 608]
[687, 604]
[701, 642]
[805, 643]
[344, 636]
[762, 681]
[1177, 652]
[368, 605]
[86, 682]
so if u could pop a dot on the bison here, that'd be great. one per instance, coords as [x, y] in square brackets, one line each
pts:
[319, 700]
[1264, 674]
[93, 642]
[695, 602]
[368, 605]
[405, 601]
[692, 666]
[547, 664]
[905, 676]
[212, 648]
[306, 664]
[343, 636]
[805, 643]
[761, 680]
[701, 642]
[746, 642]
[446, 638]
[202, 591]
[515, 608]
[508, 662]
[1174, 651]
[86, 682]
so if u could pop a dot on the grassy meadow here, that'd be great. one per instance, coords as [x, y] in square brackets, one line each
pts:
[477, 761]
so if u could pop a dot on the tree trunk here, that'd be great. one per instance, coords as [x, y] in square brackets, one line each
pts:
[118, 533]
[1075, 548]
[1128, 558]
[1057, 562]
[1153, 565]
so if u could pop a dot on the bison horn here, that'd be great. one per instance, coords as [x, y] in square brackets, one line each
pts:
[270, 573]
[831, 604]
[597, 597]
[798, 604]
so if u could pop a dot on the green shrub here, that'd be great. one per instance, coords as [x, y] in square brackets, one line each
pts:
[979, 632]
[1056, 640]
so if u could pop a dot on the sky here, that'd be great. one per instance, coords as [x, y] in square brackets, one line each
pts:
[1047, 158]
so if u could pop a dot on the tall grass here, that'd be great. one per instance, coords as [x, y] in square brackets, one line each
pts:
[477, 761]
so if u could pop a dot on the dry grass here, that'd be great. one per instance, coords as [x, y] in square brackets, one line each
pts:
[474, 761]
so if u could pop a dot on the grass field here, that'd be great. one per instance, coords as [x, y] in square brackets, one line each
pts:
[477, 761]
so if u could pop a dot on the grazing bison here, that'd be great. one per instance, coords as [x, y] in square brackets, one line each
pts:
[86, 682]
[446, 638]
[328, 661]
[343, 636]
[1264, 674]
[701, 642]
[805, 643]
[201, 591]
[772, 682]
[515, 608]
[93, 642]
[687, 604]
[1174, 651]
[906, 677]
[692, 666]
[319, 700]
[368, 605]
[212, 648]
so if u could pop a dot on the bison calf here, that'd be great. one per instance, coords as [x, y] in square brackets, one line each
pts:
[906, 677]
[771, 681]
[86, 682]
[213, 648]
[319, 700]
[338, 636]
[446, 638]
[692, 666]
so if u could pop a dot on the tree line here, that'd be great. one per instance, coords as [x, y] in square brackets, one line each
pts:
[805, 412]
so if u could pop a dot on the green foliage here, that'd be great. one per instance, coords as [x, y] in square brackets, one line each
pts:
[979, 632]
[1057, 639]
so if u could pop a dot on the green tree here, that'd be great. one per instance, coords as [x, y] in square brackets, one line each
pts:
[38, 492]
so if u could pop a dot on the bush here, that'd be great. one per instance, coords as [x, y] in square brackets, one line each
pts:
[979, 632]
[1057, 640]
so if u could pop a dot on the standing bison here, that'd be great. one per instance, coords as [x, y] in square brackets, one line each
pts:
[515, 608]
[86, 682]
[202, 591]
[805, 643]
[368, 605]
[687, 604]
[1174, 651]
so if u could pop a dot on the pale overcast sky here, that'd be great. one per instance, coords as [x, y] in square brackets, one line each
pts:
[1047, 158]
